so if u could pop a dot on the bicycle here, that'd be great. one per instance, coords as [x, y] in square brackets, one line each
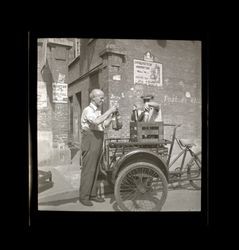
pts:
[192, 169]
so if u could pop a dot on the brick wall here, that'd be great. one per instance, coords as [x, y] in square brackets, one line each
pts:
[44, 115]
[53, 119]
[180, 95]
[181, 74]
[74, 70]
[58, 63]
[90, 53]
[60, 124]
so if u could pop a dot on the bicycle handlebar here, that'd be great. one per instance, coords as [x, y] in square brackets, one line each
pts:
[173, 125]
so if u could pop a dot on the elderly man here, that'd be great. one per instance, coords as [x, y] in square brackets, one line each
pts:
[93, 124]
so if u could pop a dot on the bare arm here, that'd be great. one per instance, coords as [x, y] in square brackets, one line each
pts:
[107, 121]
[103, 117]
[141, 116]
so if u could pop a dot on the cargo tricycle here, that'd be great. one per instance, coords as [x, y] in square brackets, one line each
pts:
[138, 167]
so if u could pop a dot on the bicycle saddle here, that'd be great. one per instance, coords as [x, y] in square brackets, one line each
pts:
[186, 143]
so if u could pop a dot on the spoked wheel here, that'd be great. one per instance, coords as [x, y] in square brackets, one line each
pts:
[194, 171]
[141, 186]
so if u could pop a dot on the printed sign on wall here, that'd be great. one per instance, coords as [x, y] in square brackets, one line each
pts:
[117, 77]
[41, 95]
[59, 92]
[147, 73]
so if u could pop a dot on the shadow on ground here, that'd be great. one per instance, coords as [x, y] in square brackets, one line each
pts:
[180, 186]
[112, 201]
[59, 202]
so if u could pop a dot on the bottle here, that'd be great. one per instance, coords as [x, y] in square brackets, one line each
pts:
[114, 122]
[135, 114]
[118, 121]
[146, 116]
[159, 117]
[146, 112]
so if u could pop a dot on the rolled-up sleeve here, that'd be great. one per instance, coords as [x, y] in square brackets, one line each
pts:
[89, 116]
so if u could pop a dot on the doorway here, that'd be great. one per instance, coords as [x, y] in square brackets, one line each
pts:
[77, 110]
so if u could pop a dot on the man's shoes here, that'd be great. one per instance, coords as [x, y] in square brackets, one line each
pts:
[86, 202]
[97, 199]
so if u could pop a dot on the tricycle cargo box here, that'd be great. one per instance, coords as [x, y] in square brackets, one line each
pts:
[146, 131]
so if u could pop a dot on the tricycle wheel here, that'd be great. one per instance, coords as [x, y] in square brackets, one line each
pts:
[194, 171]
[141, 186]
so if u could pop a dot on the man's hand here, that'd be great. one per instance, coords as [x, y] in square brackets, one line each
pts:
[114, 108]
[108, 113]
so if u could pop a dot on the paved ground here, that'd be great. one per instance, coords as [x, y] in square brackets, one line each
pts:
[64, 195]
[177, 200]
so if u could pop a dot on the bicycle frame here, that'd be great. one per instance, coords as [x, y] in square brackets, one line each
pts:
[183, 152]
[173, 139]
[197, 160]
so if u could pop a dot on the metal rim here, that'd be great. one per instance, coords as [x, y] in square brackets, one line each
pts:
[141, 187]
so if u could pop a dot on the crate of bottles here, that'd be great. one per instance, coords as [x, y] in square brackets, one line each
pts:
[146, 131]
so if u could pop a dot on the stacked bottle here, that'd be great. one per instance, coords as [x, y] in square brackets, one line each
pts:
[116, 121]
[135, 114]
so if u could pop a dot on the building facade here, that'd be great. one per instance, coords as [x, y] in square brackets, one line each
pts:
[52, 102]
[126, 69]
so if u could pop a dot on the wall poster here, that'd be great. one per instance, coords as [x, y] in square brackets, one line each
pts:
[148, 73]
[59, 92]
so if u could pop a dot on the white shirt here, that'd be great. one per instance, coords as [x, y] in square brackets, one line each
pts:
[89, 114]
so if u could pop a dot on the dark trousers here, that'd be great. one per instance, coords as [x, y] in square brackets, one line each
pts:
[91, 146]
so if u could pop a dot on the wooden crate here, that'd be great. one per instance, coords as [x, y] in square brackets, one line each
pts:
[146, 131]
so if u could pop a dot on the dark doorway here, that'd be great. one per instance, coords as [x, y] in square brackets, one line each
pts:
[78, 97]
[71, 118]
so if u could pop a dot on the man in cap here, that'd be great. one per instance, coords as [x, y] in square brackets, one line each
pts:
[151, 111]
